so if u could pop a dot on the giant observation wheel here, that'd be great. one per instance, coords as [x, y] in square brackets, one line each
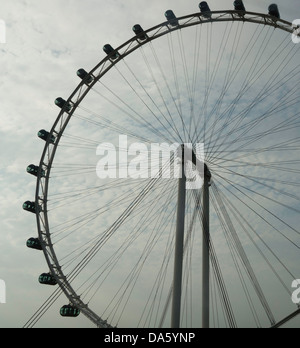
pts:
[228, 79]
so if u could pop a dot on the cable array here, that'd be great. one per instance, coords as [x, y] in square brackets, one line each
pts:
[237, 93]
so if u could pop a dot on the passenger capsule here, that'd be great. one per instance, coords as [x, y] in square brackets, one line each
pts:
[44, 135]
[139, 32]
[31, 207]
[110, 51]
[34, 243]
[69, 311]
[62, 104]
[239, 5]
[274, 11]
[34, 170]
[171, 18]
[204, 9]
[85, 76]
[47, 279]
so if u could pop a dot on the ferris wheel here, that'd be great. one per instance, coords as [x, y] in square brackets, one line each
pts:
[224, 79]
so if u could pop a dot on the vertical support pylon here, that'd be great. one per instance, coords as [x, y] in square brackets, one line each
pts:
[179, 246]
[205, 249]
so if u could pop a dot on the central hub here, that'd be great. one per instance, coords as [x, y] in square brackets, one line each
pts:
[194, 166]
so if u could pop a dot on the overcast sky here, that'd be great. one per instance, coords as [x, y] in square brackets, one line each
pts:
[47, 41]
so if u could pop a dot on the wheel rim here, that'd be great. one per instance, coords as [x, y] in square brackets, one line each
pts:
[77, 98]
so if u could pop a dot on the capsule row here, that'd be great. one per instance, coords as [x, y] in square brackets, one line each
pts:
[206, 11]
[173, 21]
[141, 35]
[33, 207]
[47, 278]
[70, 310]
[34, 170]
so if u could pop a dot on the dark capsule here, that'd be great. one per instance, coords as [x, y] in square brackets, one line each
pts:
[274, 11]
[44, 135]
[69, 311]
[139, 32]
[111, 52]
[34, 243]
[62, 104]
[239, 5]
[204, 9]
[31, 207]
[47, 279]
[85, 76]
[171, 18]
[34, 170]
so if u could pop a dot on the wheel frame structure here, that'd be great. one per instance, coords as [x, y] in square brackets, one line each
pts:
[74, 100]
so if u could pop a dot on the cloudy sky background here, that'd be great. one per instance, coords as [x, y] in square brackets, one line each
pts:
[46, 43]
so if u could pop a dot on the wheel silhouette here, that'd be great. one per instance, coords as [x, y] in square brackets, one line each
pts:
[227, 79]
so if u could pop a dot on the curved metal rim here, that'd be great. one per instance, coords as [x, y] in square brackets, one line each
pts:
[76, 98]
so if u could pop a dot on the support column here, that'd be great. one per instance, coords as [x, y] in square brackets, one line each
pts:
[205, 250]
[179, 246]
